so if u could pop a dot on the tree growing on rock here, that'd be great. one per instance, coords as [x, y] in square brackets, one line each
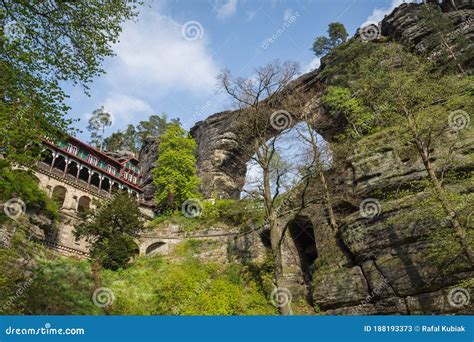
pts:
[175, 175]
[253, 95]
[111, 230]
[122, 140]
[337, 35]
[427, 111]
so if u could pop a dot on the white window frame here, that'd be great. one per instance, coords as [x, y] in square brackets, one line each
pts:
[72, 149]
[92, 160]
[110, 169]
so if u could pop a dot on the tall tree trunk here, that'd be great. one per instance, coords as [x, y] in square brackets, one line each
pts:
[460, 231]
[275, 241]
[275, 235]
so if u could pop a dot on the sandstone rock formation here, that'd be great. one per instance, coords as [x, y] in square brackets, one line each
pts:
[373, 265]
[221, 155]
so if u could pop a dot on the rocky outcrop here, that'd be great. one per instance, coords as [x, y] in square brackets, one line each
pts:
[372, 265]
[222, 144]
[147, 157]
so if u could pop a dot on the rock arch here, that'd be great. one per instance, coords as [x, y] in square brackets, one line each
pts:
[223, 145]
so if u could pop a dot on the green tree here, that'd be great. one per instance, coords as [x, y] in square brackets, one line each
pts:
[250, 94]
[122, 140]
[42, 44]
[111, 229]
[175, 174]
[154, 127]
[99, 120]
[61, 286]
[418, 105]
[21, 184]
[452, 47]
[337, 35]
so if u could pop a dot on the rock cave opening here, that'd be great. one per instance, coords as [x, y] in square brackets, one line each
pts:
[302, 235]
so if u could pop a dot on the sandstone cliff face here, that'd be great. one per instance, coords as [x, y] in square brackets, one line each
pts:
[147, 156]
[221, 151]
[371, 265]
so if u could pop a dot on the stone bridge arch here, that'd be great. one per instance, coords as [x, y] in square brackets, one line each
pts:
[157, 245]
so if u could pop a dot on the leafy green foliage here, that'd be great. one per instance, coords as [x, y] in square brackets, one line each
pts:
[194, 288]
[133, 138]
[342, 64]
[340, 101]
[111, 229]
[122, 140]
[61, 286]
[21, 184]
[175, 174]
[152, 128]
[449, 47]
[218, 213]
[16, 269]
[337, 35]
[41, 45]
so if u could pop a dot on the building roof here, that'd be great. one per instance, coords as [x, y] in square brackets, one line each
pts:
[102, 154]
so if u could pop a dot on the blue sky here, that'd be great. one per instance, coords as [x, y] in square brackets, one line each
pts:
[162, 67]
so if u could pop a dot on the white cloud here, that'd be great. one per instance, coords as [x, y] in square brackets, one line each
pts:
[314, 64]
[379, 13]
[154, 59]
[287, 14]
[124, 109]
[226, 9]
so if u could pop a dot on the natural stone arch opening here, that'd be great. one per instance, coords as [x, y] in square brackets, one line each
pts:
[155, 248]
[83, 204]
[59, 195]
[301, 232]
[224, 142]
[295, 153]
